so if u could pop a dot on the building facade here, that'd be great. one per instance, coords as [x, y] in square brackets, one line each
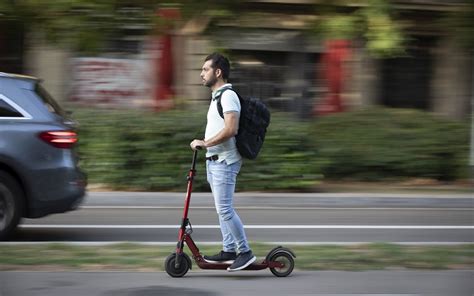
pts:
[276, 57]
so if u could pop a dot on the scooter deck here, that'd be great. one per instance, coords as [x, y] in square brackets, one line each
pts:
[253, 266]
[203, 264]
[258, 265]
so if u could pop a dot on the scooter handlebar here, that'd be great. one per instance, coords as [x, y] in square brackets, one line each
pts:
[195, 153]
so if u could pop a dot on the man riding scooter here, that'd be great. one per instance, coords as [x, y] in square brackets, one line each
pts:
[223, 161]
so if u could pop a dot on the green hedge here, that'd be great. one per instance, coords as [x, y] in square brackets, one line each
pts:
[380, 144]
[150, 151]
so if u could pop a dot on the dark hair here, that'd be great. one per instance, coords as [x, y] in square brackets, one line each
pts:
[220, 62]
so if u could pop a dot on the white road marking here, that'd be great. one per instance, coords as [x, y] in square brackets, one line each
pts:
[89, 226]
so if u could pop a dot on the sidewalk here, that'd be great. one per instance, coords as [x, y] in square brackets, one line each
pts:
[414, 186]
[286, 199]
[410, 186]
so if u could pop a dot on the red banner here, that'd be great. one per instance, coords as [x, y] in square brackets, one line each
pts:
[337, 51]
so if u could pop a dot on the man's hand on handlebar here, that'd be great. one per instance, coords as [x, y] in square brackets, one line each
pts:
[197, 144]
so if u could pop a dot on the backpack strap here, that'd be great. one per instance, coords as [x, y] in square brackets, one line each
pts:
[218, 98]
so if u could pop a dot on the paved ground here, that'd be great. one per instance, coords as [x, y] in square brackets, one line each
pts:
[332, 217]
[196, 283]
[269, 217]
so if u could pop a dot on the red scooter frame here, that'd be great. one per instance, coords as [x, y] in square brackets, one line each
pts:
[279, 260]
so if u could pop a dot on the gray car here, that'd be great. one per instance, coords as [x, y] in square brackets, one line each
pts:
[39, 174]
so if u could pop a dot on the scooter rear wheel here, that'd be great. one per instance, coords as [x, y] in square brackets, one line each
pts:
[287, 260]
[171, 268]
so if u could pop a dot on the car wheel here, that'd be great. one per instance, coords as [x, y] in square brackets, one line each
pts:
[11, 204]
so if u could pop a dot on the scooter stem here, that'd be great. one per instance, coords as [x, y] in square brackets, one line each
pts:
[193, 165]
[190, 177]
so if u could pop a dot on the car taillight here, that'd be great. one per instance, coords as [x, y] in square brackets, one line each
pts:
[59, 139]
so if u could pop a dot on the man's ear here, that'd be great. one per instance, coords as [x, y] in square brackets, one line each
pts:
[218, 73]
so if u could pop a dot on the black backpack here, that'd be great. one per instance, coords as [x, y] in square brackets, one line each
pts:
[253, 123]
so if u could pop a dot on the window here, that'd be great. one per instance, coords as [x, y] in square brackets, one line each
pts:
[6, 110]
[48, 100]
[9, 109]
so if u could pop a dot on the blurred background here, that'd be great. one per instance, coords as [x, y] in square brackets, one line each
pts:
[360, 91]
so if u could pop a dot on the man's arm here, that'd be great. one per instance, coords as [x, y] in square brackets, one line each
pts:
[231, 127]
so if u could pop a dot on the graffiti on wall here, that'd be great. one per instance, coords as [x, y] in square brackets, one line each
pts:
[112, 82]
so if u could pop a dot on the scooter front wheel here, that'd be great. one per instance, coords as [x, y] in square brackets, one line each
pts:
[179, 271]
[287, 261]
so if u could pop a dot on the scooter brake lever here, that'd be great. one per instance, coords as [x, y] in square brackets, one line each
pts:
[189, 229]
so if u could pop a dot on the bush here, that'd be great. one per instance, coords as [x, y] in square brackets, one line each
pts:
[150, 151]
[138, 150]
[380, 144]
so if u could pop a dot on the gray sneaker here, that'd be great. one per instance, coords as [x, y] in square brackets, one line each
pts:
[242, 261]
[222, 257]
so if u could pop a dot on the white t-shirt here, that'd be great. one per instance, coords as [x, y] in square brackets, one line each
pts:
[215, 123]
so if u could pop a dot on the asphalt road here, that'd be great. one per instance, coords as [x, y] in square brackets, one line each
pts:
[287, 218]
[296, 218]
[200, 283]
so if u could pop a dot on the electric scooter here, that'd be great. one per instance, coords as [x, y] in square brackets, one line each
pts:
[279, 260]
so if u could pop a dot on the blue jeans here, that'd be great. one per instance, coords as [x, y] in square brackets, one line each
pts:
[222, 178]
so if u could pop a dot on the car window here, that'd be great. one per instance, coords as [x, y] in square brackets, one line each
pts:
[48, 100]
[6, 110]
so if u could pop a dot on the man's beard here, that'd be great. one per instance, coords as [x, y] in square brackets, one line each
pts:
[211, 81]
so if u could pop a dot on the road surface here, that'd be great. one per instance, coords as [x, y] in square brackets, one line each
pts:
[296, 218]
[204, 283]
